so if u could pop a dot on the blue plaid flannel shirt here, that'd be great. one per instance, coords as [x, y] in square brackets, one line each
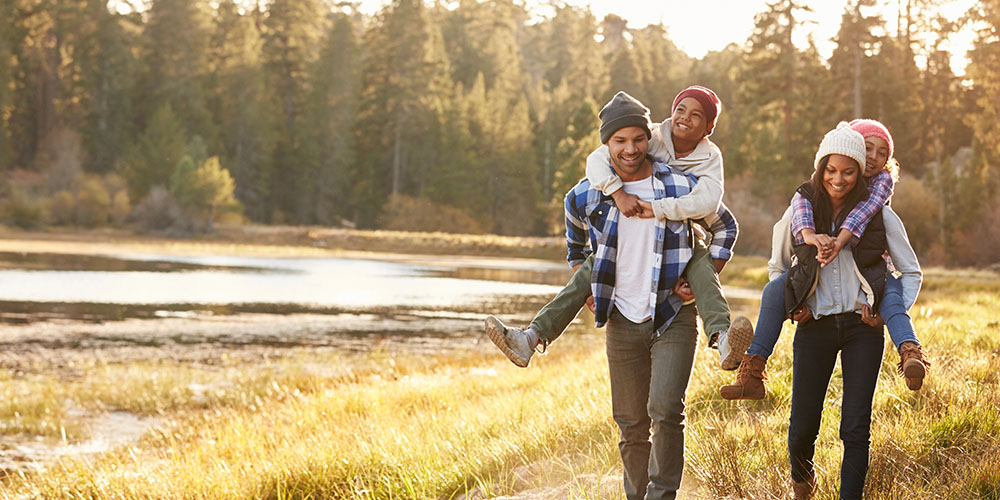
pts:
[592, 222]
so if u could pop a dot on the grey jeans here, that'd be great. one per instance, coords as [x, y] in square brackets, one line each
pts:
[648, 380]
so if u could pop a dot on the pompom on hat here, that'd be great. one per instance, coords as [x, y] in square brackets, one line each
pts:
[870, 128]
[708, 100]
[842, 140]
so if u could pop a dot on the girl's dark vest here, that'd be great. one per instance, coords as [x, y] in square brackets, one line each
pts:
[802, 277]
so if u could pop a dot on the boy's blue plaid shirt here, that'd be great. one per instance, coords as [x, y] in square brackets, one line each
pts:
[592, 216]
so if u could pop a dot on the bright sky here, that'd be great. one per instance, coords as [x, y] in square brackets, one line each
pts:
[686, 21]
[698, 27]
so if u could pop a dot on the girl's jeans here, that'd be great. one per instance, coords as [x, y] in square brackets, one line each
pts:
[772, 315]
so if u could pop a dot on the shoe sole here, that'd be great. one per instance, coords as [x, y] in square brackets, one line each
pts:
[740, 337]
[914, 373]
[742, 396]
[495, 331]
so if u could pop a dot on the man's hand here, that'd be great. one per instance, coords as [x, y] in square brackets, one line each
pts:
[683, 289]
[869, 319]
[628, 204]
[802, 314]
[590, 304]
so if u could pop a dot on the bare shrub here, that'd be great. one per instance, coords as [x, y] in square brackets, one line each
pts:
[121, 206]
[405, 213]
[62, 208]
[157, 211]
[24, 210]
[93, 204]
[756, 215]
[60, 158]
[919, 208]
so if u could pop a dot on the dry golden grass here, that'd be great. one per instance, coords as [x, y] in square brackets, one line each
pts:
[319, 425]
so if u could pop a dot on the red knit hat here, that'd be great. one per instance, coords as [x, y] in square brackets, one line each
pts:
[869, 128]
[708, 100]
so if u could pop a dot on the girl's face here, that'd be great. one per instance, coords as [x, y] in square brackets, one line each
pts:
[876, 154]
[839, 177]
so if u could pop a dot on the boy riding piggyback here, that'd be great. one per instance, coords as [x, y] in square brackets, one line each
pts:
[681, 141]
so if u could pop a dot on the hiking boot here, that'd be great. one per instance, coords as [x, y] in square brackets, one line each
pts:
[513, 342]
[749, 379]
[804, 490]
[734, 342]
[912, 365]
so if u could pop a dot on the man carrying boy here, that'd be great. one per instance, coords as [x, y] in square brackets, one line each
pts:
[681, 141]
[651, 335]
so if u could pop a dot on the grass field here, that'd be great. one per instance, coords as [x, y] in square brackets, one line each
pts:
[394, 426]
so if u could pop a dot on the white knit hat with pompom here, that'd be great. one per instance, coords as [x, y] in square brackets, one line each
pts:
[842, 140]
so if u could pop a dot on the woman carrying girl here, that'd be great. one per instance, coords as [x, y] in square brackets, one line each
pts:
[831, 303]
[880, 173]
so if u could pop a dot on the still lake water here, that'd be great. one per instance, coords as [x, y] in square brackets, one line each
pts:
[340, 283]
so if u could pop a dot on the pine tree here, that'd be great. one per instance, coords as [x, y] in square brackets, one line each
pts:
[327, 145]
[582, 136]
[895, 100]
[404, 78]
[984, 71]
[293, 37]
[850, 60]
[242, 107]
[150, 161]
[175, 65]
[665, 70]
[108, 78]
[782, 88]
[7, 42]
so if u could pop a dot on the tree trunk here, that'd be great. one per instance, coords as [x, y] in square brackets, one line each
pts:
[396, 157]
[857, 64]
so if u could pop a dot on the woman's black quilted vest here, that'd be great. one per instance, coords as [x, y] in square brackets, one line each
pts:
[804, 273]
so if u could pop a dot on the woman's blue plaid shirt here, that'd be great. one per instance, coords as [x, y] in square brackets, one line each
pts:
[592, 222]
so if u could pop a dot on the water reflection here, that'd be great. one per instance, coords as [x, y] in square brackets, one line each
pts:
[76, 286]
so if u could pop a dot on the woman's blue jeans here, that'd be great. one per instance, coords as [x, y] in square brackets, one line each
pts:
[772, 316]
[816, 346]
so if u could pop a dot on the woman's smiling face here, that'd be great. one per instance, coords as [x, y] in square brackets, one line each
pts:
[840, 176]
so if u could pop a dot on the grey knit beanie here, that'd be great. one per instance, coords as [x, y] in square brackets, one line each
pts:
[842, 140]
[623, 111]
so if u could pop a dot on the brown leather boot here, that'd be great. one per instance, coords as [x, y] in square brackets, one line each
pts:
[912, 365]
[804, 490]
[749, 379]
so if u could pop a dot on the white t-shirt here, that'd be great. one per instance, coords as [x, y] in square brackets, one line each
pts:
[634, 262]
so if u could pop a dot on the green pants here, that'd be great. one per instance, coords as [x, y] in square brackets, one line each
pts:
[555, 316]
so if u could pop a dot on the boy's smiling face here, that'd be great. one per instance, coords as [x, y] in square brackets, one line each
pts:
[688, 120]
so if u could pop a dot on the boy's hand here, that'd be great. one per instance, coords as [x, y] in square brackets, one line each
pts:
[720, 264]
[802, 314]
[869, 319]
[647, 210]
[628, 204]
[590, 304]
